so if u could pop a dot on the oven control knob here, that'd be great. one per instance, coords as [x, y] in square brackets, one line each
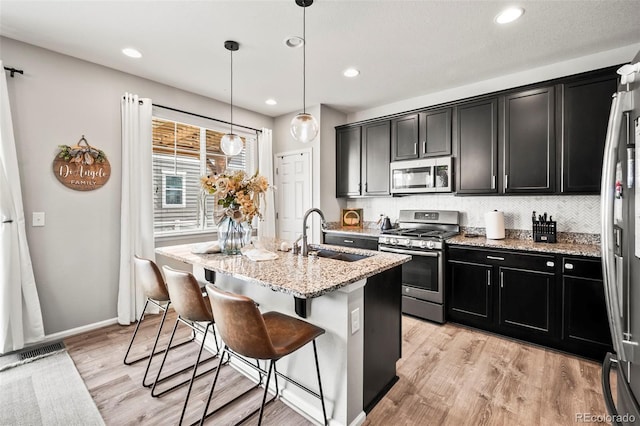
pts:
[431, 244]
[393, 241]
[383, 240]
[406, 242]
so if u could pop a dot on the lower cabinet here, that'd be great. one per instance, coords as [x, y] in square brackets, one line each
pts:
[552, 300]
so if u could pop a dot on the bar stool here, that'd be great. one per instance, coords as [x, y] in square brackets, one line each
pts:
[148, 275]
[192, 308]
[270, 336]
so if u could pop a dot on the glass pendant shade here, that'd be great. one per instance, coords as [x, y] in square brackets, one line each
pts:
[231, 144]
[304, 127]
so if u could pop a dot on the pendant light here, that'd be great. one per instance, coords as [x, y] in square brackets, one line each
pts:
[231, 143]
[304, 127]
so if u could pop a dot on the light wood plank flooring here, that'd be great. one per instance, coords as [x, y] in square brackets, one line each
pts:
[449, 375]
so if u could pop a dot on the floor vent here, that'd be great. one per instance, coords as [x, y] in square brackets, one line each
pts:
[42, 350]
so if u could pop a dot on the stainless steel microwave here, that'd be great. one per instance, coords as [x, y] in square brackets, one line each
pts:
[420, 176]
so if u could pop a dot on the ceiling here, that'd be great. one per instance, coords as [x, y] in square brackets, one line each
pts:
[403, 49]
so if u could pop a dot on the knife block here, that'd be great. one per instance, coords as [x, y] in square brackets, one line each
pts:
[544, 232]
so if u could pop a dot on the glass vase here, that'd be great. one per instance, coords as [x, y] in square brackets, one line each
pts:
[233, 235]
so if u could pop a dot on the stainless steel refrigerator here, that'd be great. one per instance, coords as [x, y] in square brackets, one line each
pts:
[621, 247]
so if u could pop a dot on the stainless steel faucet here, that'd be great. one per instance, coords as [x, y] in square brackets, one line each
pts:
[305, 249]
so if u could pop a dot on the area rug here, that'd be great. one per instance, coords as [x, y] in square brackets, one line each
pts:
[46, 391]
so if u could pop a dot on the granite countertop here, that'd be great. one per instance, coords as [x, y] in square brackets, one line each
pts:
[303, 277]
[591, 250]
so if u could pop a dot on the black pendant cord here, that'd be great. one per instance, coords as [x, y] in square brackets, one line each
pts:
[231, 52]
[304, 60]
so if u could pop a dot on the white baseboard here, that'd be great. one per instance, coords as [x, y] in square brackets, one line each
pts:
[78, 330]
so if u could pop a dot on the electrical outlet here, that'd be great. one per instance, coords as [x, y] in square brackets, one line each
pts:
[38, 219]
[355, 320]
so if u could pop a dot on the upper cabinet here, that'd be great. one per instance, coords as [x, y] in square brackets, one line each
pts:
[529, 141]
[435, 132]
[375, 158]
[362, 160]
[426, 134]
[348, 153]
[583, 119]
[477, 130]
[404, 138]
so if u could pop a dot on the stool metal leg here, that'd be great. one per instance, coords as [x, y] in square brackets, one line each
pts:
[135, 332]
[193, 376]
[315, 354]
[266, 390]
[213, 386]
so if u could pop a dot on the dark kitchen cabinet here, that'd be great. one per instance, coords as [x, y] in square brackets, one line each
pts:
[435, 133]
[525, 300]
[529, 141]
[584, 118]
[469, 293]
[584, 311]
[477, 137]
[362, 160]
[382, 334]
[548, 299]
[404, 137]
[375, 158]
[348, 157]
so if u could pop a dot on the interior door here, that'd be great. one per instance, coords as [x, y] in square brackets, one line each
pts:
[293, 189]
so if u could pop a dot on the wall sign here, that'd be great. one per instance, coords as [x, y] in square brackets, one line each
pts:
[81, 167]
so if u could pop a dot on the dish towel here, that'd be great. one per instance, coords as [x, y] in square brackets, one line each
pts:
[259, 254]
[206, 248]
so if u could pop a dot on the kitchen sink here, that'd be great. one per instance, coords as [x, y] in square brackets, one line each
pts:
[338, 255]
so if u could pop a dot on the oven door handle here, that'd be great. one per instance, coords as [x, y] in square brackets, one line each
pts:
[411, 253]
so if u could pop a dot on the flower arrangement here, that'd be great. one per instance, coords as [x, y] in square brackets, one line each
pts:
[239, 195]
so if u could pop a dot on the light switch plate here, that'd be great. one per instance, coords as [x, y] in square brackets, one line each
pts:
[38, 219]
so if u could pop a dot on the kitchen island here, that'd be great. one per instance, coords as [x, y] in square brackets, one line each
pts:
[337, 299]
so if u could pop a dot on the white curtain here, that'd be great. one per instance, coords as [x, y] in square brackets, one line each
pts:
[267, 227]
[20, 314]
[136, 206]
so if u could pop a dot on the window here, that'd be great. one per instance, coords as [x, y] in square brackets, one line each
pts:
[174, 188]
[182, 153]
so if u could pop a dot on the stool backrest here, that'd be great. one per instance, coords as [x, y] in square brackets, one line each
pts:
[148, 275]
[241, 325]
[186, 295]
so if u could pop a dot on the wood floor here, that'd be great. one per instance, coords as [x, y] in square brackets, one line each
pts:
[449, 375]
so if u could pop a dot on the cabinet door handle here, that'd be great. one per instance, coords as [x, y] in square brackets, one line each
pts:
[552, 264]
[568, 266]
[501, 279]
[506, 181]
[366, 187]
[348, 241]
[493, 182]
[415, 148]
[424, 146]
[488, 278]
[495, 258]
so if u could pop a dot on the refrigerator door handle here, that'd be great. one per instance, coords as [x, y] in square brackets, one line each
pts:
[607, 364]
[612, 295]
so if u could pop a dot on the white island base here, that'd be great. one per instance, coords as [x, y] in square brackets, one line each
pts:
[340, 350]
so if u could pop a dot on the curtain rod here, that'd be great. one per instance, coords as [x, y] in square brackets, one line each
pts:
[208, 118]
[13, 71]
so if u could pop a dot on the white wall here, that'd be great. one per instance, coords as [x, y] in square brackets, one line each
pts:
[560, 69]
[323, 152]
[56, 101]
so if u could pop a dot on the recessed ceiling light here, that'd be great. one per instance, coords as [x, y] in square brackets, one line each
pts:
[509, 15]
[271, 102]
[131, 52]
[293, 41]
[351, 72]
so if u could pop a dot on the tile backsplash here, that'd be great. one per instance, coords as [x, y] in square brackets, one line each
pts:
[573, 213]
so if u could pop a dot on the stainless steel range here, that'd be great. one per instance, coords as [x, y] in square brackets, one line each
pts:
[421, 234]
